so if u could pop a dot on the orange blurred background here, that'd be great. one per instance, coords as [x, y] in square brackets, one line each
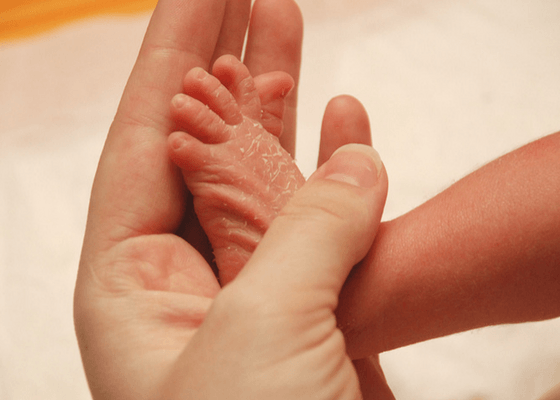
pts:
[23, 18]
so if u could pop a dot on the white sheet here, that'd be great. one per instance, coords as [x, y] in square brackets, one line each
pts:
[449, 86]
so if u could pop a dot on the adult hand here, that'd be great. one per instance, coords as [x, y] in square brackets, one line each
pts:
[272, 333]
[143, 290]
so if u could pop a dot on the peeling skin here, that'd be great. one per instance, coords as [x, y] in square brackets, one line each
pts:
[240, 182]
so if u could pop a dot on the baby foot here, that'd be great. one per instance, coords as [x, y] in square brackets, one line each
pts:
[237, 171]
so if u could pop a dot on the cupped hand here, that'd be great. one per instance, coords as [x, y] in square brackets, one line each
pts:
[143, 287]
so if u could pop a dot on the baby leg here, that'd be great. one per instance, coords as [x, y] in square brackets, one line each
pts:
[236, 170]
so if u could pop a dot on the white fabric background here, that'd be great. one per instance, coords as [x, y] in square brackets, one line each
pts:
[449, 85]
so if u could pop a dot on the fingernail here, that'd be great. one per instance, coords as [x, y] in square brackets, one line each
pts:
[355, 164]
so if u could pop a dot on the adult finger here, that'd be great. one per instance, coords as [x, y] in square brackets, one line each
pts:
[181, 35]
[372, 380]
[137, 190]
[234, 28]
[323, 231]
[345, 121]
[274, 43]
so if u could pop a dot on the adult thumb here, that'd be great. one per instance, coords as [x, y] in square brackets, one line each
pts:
[324, 230]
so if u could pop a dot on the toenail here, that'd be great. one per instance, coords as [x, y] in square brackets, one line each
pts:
[199, 73]
[178, 141]
[179, 100]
